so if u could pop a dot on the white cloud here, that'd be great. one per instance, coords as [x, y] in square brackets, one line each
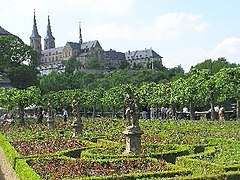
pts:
[228, 48]
[185, 57]
[23, 7]
[170, 26]
[174, 25]
[106, 7]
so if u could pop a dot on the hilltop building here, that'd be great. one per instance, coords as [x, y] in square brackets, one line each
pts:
[52, 58]
[144, 57]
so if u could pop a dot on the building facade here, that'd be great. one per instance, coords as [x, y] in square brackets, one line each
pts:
[143, 57]
[52, 58]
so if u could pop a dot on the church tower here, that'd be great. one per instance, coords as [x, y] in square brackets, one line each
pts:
[80, 34]
[49, 41]
[35, 38]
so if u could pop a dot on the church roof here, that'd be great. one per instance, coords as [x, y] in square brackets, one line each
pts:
[52, 51]
[114, 55]
[4, 32]
[73, 45]
[91, 44]
[85, 45]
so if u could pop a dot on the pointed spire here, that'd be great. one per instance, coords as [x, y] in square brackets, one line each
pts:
[80, 34]
[35, 30]
[49, 31]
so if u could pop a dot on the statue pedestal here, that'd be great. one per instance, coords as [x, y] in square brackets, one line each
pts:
[50, 123]
[133, 139]
[76, 127]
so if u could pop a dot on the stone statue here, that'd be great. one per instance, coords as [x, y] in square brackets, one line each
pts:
[50, 117]
[132, 110]
[74, 106]
[77, 124]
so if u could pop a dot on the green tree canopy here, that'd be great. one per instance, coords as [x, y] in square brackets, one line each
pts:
[15, 56]
[72, 64]
[214, 65]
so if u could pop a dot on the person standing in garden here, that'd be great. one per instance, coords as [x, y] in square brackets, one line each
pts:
[221, 113]
[65, 115]
[152, 112]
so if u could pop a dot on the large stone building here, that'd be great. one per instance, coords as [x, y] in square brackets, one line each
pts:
[144, 57]
[52, 58]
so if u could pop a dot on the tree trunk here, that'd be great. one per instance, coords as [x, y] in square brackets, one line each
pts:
[212, 111]
[113, 111]
[85, 112]
[212, 107]
[191, 111]
[157, 111]
[94, 111]
[102, 113]
[238, 109]
[124, 110]
[21, 114]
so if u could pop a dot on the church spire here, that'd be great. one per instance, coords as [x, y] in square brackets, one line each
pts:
[80, 34]
[35, 30]
[49, 30]
[35, 38]
[49, 41]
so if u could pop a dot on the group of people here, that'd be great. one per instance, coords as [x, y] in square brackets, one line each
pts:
[41, 113]
[220, 112]
[164, 113]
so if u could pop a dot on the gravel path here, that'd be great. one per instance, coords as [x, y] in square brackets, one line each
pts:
[6, 171]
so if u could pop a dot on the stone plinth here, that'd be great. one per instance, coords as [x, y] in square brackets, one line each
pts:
[133, 139]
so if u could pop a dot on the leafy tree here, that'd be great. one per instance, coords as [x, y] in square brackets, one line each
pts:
[19, 99]
[114, 97]
[93, 63]
[214, 65]
[23, 76]
[124, 64]
[176, 72]
[55, 82]
[72, 64]
[14, 53]
[228, 85]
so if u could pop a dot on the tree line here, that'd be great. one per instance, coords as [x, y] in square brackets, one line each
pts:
[199, 88]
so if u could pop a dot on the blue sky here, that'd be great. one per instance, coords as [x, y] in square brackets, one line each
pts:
[184, 32]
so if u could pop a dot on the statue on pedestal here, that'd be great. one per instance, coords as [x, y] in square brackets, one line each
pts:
[132, 110]
[50, 116]
[132, 132]
[76, 125]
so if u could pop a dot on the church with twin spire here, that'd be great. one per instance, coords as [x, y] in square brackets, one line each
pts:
[53, 58]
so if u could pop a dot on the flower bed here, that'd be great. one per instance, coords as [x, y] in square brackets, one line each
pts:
[56, 168]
